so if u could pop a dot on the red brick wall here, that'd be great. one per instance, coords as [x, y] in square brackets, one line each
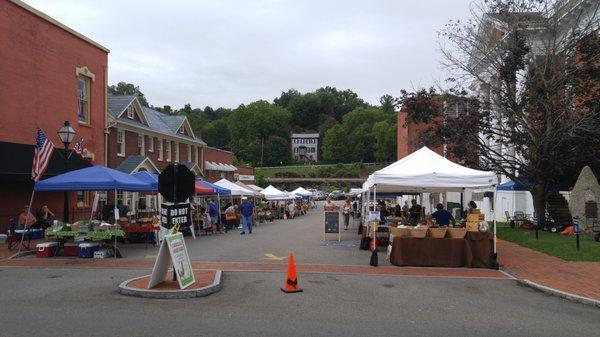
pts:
[245, 170]
[218, 156]
[39, 87]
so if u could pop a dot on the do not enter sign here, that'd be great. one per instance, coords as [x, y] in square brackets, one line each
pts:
[176, 183]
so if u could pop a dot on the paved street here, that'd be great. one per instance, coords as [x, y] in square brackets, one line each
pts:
[67, 301]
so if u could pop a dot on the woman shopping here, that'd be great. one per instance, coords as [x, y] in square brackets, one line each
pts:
[346, 211]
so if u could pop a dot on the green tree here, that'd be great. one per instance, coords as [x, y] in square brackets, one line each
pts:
[251, 127]
[124, 88]
[388, 103]
[384, 135]
[335, 148]
[216, 133]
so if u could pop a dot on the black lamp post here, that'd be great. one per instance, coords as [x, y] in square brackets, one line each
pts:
[66, 135]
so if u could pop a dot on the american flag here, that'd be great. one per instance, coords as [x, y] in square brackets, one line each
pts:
[78, 148]
[41, 156]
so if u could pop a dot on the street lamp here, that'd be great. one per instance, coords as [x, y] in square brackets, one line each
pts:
[66, 135]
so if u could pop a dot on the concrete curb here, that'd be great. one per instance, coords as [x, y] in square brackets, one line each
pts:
[172, 294]
[559, 293]
[21, 254]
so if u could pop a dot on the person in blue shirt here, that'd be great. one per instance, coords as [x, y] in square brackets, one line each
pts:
[213, 211]
[246, 209]
[442, 217]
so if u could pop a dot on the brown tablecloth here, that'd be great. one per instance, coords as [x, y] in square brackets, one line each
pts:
[474, 251]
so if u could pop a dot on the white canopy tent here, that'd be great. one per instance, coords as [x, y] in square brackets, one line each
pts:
[235, 189]
[272, 193]
[302, 192]
[426, 171]
[254, 187]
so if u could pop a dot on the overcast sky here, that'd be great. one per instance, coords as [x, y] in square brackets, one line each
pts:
[225, 53]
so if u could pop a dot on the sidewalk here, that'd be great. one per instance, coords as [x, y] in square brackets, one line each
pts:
[578, 278]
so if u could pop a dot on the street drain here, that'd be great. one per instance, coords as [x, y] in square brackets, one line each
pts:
[54, 276]
[388, 285]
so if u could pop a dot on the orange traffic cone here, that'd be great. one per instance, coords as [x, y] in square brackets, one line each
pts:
[291, 282]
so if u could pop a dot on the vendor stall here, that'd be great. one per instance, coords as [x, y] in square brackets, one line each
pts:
[426, 171]
[95, 178]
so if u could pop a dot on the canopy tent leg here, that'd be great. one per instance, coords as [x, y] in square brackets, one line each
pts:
[116, 222]
[495, 264]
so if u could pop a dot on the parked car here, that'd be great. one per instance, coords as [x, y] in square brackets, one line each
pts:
[337, 195]
[318, 194]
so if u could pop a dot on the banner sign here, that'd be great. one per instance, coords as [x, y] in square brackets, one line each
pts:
[173, 252]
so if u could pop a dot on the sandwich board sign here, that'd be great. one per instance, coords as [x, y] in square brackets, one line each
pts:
[332, 224]
[173, 252]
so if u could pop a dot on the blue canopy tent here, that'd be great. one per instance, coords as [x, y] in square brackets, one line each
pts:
[513, 186]
[95, 178]
[219, 190]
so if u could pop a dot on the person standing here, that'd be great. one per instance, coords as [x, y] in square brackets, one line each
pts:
[346, 210]
[442, 217]
[415, 212]
[406, 208]
[213, 211]
[246, 209]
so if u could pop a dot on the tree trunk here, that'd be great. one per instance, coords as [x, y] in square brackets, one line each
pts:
[538, 193]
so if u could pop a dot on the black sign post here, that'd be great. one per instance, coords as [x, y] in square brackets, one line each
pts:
[176, 184]
[332, 224]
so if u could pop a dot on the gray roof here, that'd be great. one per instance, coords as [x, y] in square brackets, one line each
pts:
[118, 103]
[157, 121]
[130, 163]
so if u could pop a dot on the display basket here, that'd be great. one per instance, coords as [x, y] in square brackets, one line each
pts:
[398, 232]
[437, 233]
[457, 233]
[418, 232]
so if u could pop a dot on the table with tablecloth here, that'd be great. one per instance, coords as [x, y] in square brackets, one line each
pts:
[474, 251]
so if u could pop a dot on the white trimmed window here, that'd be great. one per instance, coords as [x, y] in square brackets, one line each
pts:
[83, 198]
[130, 112]
[189, 153]
[160, 149]
[177, 152]
[150, 144]
[121, 143]
[83, 99]
[168, 150]
[141, 151]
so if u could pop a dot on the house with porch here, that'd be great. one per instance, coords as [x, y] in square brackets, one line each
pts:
[143, 139]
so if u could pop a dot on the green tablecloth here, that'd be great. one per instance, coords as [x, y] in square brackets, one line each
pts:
[99, 235]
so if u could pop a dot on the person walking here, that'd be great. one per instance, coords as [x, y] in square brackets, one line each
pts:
[329, 206]
[346, 210]
[246, 209]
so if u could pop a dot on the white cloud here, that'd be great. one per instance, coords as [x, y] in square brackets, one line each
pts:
[224, 53]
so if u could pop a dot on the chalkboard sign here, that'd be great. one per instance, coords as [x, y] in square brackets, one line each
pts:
[332, 222]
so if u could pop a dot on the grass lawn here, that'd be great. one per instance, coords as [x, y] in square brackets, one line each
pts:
[553, 244]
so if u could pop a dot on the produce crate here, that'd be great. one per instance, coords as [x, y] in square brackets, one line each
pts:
[418, 232]
[398, 232]
[437, 233]
[457, 233]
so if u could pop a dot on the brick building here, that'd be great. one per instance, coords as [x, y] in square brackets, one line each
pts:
[49, 74]
[143, 139]
[218, 164]
[412, 136]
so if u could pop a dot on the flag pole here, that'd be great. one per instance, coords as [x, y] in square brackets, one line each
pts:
[26, 219]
